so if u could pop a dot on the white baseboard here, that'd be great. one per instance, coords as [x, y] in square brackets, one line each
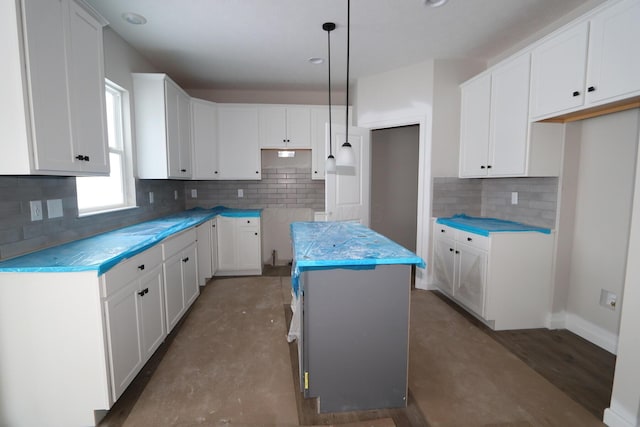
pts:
[613, 419]
[557, 320]
[591, 332]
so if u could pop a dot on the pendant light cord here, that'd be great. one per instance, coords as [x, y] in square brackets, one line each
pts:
[329, 62]
[346, 121]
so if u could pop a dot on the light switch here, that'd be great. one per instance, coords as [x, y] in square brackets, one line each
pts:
[194, 193]
[240, 193]
[36, 210]
[54, 208]
[514, 197]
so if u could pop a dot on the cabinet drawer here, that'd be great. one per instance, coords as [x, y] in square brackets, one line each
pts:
[471, 239]
[129, 270]
[249, 222]
[175, 244]
[444, 230]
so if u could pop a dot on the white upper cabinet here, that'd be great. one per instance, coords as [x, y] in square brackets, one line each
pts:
[558, 72]
[496, 137]
[204, 120]
[614, 61]
[319, 135]
[52, 117]
[238, 146]
[163, 127]
[587, 64]
[284, 126]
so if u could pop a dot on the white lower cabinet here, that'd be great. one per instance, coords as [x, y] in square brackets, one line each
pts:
[239, 246]
[503, 279]
[135, 326]
[180, 275]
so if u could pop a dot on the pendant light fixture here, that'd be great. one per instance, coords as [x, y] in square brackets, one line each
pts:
[330, 165]
[346, 156]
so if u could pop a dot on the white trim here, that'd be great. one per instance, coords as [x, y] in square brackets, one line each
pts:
[424, 182]
[557, 320]
[615, 419]
[592, 333]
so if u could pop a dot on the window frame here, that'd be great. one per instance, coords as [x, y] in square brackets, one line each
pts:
[123, 149]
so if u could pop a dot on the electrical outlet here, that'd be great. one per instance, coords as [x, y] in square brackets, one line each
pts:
[240, 193]
[514, 197]
[54, 208]
[194, 193]
[151, 197]
[36, 210]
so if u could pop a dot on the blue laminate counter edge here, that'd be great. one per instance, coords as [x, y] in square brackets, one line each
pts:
[326, 245]
[102, 252]
[486, 226]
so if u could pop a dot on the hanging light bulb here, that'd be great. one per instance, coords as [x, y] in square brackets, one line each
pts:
[346, 156]
[330, 164]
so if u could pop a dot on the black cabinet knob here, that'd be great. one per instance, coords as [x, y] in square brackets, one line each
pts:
[185, 259]
[183, 170]
[141, 267]
[216, 172]
[576, 93]
[457, 252]
[82, 158]
[469, 239]
[248, 221]
[143, 292]
[450, 249]
[488, 166]
[442, 230]
[591, 88]
[257, 172]
[315, 171]
[255, 234]
[482, 167]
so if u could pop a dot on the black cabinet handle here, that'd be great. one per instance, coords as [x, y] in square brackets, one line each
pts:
[315, 171]
[591, 88]
[185, 259]
[257, 172]
[457, 252]
[255, 234]
[248, 221]
[576, 93]
[213, 225]
[82, 158]
[442, 230]
[450, 249]
[488, 166]
[469, 239]
[482, 167]
[141, 267]
[143, 292]
[215, 172]
[183, 170]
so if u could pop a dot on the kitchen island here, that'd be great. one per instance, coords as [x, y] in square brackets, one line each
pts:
[351, 290]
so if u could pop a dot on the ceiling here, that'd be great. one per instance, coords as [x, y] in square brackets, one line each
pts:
[266, 44]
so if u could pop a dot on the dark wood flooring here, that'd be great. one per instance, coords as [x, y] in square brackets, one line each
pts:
[579, 368]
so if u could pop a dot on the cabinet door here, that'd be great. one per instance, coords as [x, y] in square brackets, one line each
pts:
[203, 235]
[227, 244]
[173, 129]
[190, 287]
[273, 126]
[474, 127]
[239, 149]
[152, 320]
[45, 42]
[122, 317]
[319, 137]
[174, 298]
[443, 264]
[249, 248]
[471, 277]
[214, 246]
[184, 123]
[558, 72]
[509, 118]
[614, 62]
[204, 137]
[298, 127]
[86, 77]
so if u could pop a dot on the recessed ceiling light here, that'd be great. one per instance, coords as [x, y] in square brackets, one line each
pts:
[316, 61]
[434, 3]
[134, 18]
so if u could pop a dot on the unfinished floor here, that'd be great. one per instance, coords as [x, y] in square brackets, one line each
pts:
[229, 364]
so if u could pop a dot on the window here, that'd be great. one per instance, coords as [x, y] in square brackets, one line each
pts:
[116, 191]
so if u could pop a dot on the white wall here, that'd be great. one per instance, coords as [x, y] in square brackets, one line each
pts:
[603, 212]
[319, 97]
[120, 60]
[624, 410]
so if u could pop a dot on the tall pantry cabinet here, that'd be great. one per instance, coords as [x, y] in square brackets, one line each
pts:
[52, 115]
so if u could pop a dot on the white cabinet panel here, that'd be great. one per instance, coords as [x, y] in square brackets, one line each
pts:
[443, 264]
[238, 143]
[614, 62]
[163, 127]
[180, 275]
[152, 325]
[285, 126]
[239, 246]
[474, 127]
[174, 298]
[204, 130]
[470, 283]
[203, 236]
[53, 113]
[190, 287]
[558, 72]
[214, 246]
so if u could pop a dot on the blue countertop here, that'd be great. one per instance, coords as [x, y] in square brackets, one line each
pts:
[327, 245]
[486, 226]
[103, 251]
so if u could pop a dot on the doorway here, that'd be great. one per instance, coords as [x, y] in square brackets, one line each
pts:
[394, 183]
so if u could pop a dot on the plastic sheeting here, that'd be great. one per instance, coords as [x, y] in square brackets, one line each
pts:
[485, 226]
[102, 252]
[327, 245]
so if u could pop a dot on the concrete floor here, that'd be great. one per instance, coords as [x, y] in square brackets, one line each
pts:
[229, 365]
